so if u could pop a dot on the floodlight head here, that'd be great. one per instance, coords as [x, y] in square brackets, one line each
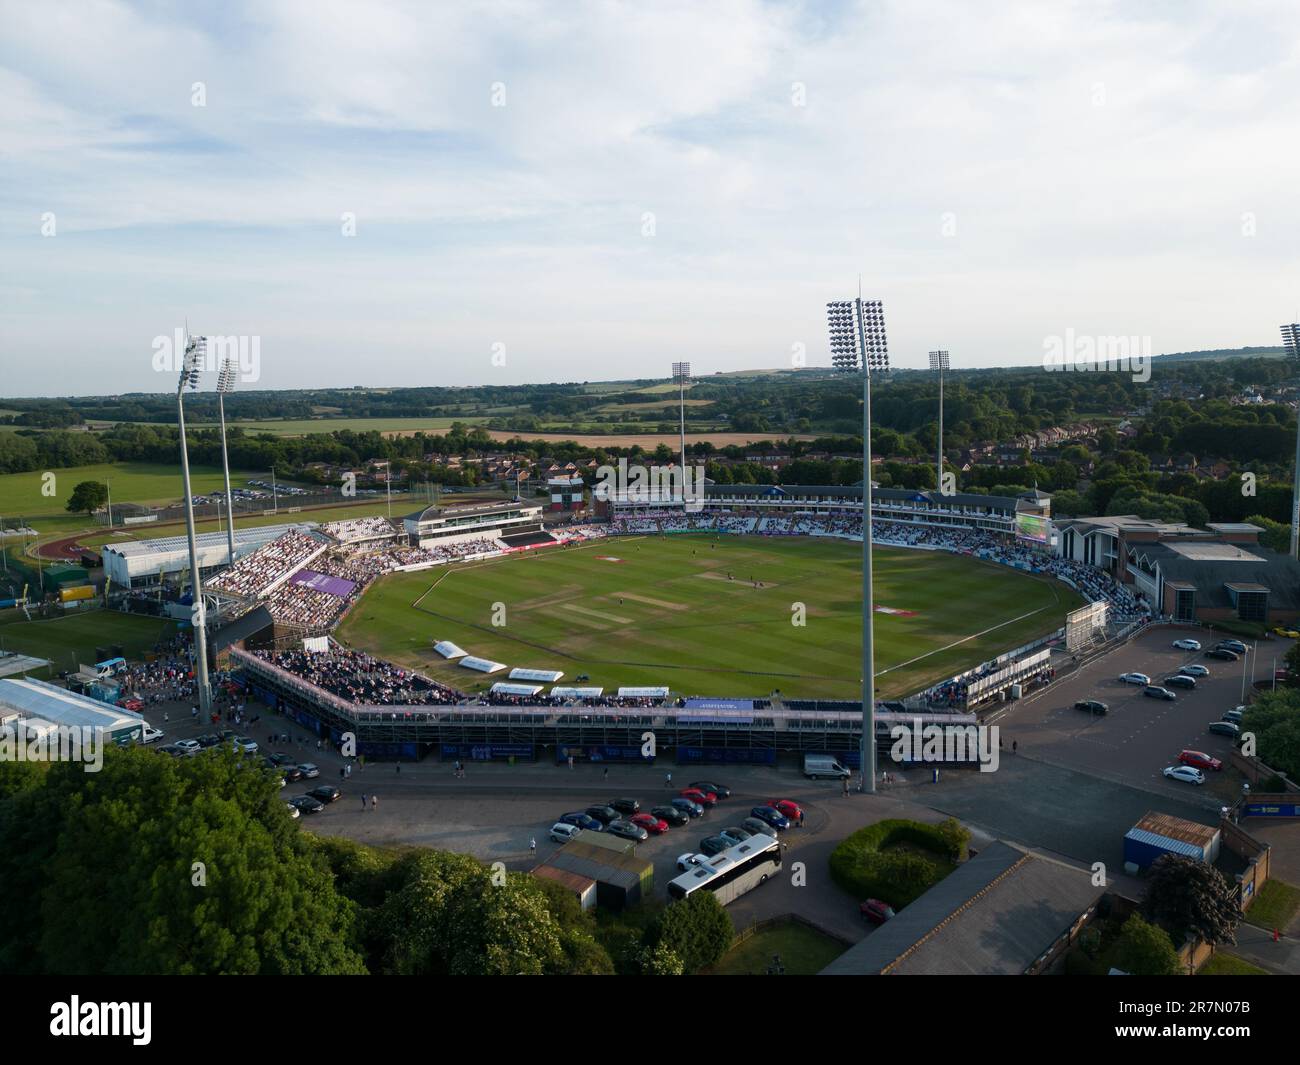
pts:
[227, 375]
[681, 372]
[938, 360]
[196, 351]
[857, 335]
[1291, 340]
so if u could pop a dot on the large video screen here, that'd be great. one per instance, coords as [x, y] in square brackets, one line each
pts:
[1033, 527]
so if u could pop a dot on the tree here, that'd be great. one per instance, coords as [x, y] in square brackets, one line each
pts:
[660, 960]
[697, 929]
[1191, 898]
[1145, 950]
[87, 498]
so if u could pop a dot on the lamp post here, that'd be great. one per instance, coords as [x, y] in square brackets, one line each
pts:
[226, 383]
[192, 366]
[1291, 342]
[939, 365]
[681, 375]
[858, 345]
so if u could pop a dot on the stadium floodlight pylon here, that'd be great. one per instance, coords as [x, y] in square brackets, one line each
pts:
[1291, 342]
[939, 365]
[196, 351]
[682, 375]
[858, 345]
[226, 378]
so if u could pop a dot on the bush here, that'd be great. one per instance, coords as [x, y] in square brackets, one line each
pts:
[862, 865]
[697, 930]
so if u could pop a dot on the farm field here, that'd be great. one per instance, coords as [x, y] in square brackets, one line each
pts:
[130, 482]
[650, 441]
[305, 426]
[688, 612]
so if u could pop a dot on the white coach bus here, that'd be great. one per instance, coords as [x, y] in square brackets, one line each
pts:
[730, 873]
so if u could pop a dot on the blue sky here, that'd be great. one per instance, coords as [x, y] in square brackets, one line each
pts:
[664, 181]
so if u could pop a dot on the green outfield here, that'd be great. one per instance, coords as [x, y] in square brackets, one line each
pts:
[689, 612]
[68, 641]
[33, 494]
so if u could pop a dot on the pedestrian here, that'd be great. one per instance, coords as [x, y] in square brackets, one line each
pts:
[532, 845]
[668, 780]
[399, 769]
[801, 818]
[605, 775]
[846, 785]
[374, 803]
[1014, 745]
[363, 802]
[935, 779]
[570, 761]
[343, 772]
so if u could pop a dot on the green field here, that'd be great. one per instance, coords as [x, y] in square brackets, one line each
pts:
[666, 613]
[129, 482]
[306, 426]
[71, 640]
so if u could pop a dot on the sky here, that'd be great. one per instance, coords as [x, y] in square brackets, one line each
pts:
[391, 194]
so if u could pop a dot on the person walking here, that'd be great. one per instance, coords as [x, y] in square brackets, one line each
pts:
[532, 845]
[399, 769]
[801, 817]
[668, 779]
[605, 774]
[1014, 744]
[363, 802]
[845, 782]
[374, 803]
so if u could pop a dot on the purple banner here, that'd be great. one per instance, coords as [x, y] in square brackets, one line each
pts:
[323, 582]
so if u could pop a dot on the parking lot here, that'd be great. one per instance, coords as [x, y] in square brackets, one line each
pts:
[1139, 736]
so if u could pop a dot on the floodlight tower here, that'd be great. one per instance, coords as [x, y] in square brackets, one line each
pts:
[939, 365]
[196, 349]
[682, 375]
[226, 383]
[858, 345]
[1291, 341]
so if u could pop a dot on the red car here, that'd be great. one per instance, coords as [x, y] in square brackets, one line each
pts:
[1199, 760]
[650, 823]
[788, 808]
[875, 911]
[704, 798]
[130, 703]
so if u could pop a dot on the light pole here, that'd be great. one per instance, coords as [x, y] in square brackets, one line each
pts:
[1291, 342]
[226, 383]
[857, 336]
[939, 365]
[195, 351]
[682, 374]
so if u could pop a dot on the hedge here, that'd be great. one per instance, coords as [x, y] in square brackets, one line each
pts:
[864, 867]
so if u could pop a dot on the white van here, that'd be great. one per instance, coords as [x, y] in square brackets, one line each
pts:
[816, 766]
[562, 832]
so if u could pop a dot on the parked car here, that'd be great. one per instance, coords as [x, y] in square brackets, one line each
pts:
[188, 746]
[627, 830]
[280, 759]
[583, 821]
[309, 771]
[772, 816]
[1195, 670]
[1199, 760]
[130, 702]
[1092, 706]
[603, 814]
[326, 793]
[244, 744]
[1154, 691]
[1187, 645]
[291, 773]
[704, 798]
[687, 862]
[875, 911]
[562, 833]
[1225, 728]
[1223, 654]
[1234, 716]
[293, 810]
[150, 734]
[307, 805]
[671, 814]
[689, 807]
[787, 808]
[1134, 678]
[1290, 634]
[754, 825]
[1185, 773]
[210, 740]
[708, 786]
[735, 835]
[1180, 680]
[175, 750]
[650, 823]
[1236, 646]
[712, 845]
[625, 806]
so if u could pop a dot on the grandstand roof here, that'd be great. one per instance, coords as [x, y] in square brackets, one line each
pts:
[1212, 572]
[253, 536]
[36, 698]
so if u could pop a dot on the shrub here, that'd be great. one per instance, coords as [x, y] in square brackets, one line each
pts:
[863, 867]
